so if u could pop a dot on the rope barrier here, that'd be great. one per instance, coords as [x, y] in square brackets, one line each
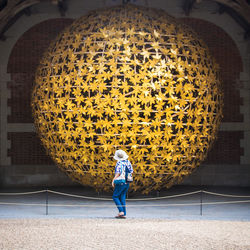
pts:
[47, 205]
[80, 196]
[136, 199]
[165, 197]
[127, 205]
[25, 193]
[22, 204]
[226, 195]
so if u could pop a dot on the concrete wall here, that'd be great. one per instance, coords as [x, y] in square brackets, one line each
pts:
[37, 174]
[34, 176]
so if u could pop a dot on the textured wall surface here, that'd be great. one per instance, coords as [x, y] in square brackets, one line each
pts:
[228, 57]
[24, 161]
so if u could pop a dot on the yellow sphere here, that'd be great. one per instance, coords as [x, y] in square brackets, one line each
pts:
[130, 78]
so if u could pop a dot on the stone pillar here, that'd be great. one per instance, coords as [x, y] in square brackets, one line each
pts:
[5, 111]
[245, 110]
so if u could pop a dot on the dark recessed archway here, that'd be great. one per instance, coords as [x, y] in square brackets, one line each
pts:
[227, 55]
[23, 60]
[227, 149]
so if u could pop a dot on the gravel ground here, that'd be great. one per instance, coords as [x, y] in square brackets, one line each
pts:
[122, 234]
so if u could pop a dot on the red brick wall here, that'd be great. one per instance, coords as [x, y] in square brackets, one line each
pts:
[25, 56]
[227, 55]
[23, 62]
[226, 149]
[26, 149]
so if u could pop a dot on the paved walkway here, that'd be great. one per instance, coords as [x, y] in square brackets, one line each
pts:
[191, 207]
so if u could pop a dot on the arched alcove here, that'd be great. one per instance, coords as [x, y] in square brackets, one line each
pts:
[25, 56]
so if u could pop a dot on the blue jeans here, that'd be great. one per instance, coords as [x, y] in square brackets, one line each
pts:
[119, 197]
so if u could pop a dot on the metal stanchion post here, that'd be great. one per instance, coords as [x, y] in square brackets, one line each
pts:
[47, 201]
[201, 203]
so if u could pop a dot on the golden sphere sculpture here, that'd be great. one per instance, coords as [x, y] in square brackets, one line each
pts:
[131, 78]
